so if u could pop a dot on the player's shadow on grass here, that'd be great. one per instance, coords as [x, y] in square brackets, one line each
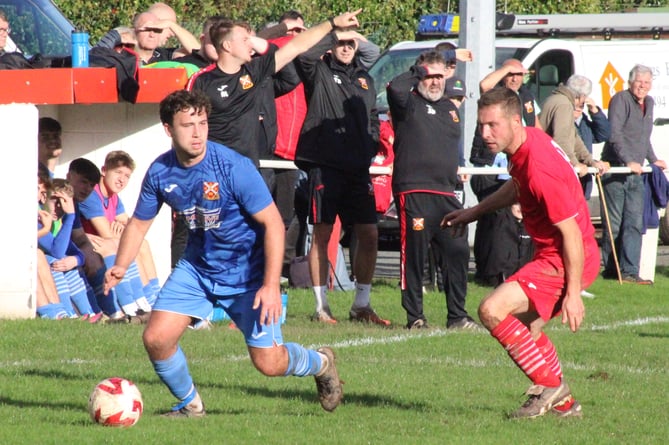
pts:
[653, 335]
[309, 395]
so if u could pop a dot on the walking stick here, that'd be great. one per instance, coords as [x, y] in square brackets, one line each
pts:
[608, 226]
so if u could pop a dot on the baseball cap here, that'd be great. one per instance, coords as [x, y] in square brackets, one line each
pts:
[455, 87]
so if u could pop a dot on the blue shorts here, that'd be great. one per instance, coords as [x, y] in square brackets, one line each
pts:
[188, 292]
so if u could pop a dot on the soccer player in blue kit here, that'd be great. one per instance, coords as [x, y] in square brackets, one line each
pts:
[234, 256]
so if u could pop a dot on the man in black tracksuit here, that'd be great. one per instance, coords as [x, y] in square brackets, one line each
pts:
[336, 145]
[427, 132]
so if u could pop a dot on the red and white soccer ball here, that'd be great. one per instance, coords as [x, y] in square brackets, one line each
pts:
[115, 402]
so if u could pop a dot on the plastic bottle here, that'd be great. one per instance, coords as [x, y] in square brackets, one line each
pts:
[79, 49]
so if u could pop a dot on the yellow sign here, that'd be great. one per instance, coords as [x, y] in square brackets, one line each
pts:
[611, 82]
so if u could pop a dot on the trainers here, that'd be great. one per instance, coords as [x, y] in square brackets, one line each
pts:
[366, 314]
[96, 318]
[636, 279]
[118, 320]
[418, 324]
[574, 410]
[586, 294]
[330, 391]
[140, 317]
[464, 324]
[324, 316]
[193, 409]
[541, 400]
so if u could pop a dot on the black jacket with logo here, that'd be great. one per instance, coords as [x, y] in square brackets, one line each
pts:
[427, 135]
[341, 127]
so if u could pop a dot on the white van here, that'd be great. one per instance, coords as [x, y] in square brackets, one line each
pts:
[553, 47]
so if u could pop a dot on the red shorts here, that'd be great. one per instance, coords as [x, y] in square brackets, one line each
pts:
[543, 281]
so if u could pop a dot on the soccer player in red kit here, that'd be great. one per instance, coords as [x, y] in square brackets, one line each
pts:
[566, 259]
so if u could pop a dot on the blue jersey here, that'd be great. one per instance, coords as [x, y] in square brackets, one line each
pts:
[217, 198]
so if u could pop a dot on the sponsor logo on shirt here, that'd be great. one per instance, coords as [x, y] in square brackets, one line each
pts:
[210, 191]
[222, 91]
[430, 110]
[418, 224]
[202, 218]
[169, 188]
[246, 82]
[336, 79]
[363, 83]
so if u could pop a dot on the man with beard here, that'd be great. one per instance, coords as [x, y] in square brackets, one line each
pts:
[425, 176]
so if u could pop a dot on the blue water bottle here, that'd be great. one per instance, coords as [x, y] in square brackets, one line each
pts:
[79, 49]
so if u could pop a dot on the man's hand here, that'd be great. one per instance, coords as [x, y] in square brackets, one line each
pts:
[573, 310]
[457, 220]
[660, 163]
[64, 264]
[581, 169]
[113, 276]
[66, 202]
[347, 19]
[464, 55]
[268, 299]
[602, 166]
[635, 167]
[45, 218]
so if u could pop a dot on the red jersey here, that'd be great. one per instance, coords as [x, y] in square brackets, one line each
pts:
[549, 192]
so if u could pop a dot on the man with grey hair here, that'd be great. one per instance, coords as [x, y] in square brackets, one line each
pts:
[425, 178]
[631, 118]
[593, 127]
[557, 119]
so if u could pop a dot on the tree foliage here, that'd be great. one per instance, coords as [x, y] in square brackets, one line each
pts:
[384, 22]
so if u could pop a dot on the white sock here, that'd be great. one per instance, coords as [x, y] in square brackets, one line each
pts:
[143, 304]
[130, 309]
[362, 292]
[320, 293]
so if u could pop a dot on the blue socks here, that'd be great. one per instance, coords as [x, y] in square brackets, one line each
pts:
[302, 361]
[174, 373]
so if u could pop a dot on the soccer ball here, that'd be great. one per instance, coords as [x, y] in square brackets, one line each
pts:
[115, 402]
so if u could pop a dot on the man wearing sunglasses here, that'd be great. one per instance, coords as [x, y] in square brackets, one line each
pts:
[149, 30]
[336, 145]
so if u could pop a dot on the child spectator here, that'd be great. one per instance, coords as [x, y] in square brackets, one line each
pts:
[47, 302]
[103, 214]
[83, 175]
[64, 256]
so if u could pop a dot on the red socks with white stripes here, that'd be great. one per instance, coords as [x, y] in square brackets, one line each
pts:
[525, 352]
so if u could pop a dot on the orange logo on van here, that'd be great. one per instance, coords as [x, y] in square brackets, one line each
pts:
[611, 82]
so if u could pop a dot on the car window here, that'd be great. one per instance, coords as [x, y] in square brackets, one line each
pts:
[38, 27]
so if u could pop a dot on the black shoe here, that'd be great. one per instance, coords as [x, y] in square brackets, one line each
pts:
[609, 275]
[418, 324]
[636, 279]
[464, 324]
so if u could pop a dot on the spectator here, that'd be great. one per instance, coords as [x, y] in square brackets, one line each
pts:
[593, 126]
[149, 28]
[427, 155]
[566, 260]
[557, 118]
[631, 118]
[234, 83]
[206, 54]
[338, 140]
[84, 176]
[49, 143]
[103, 214]
[47, 302]
[488, 243]
[233, 257]
[65, 259]
[5, 30]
